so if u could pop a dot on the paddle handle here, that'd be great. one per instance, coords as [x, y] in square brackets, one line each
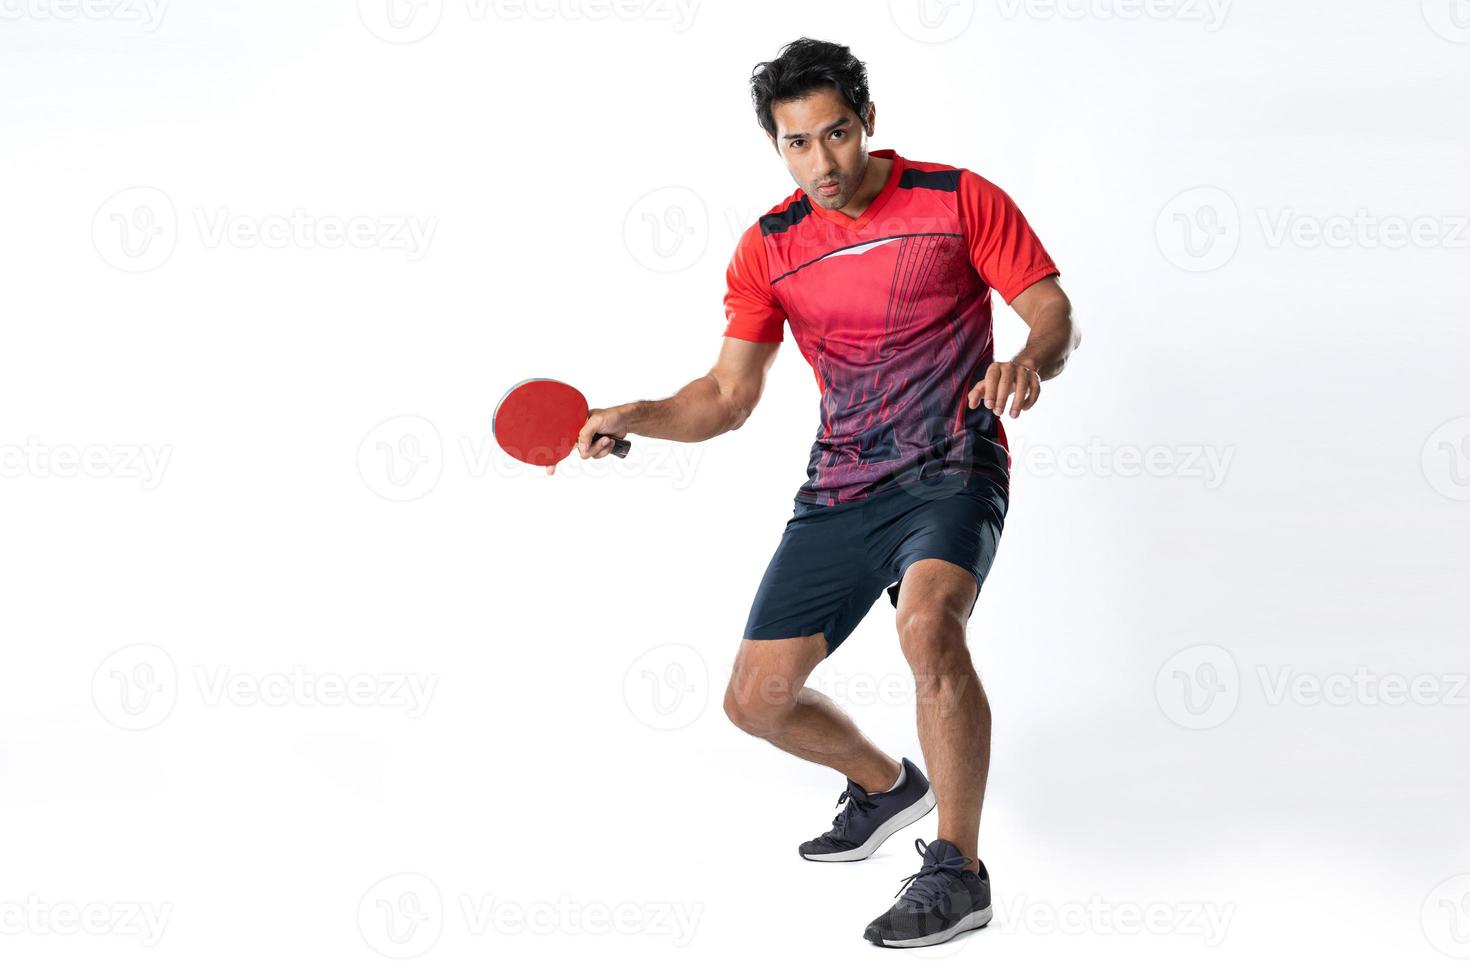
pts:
[620, 447]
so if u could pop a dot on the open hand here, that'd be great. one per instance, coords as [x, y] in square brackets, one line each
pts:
[1013, 380]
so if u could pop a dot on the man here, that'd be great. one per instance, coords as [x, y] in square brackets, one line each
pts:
[883, 267]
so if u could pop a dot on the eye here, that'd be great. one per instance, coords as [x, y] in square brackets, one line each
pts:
[838, 133]
[796, 144]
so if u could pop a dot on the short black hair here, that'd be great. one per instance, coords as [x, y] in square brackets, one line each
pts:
[803, 66]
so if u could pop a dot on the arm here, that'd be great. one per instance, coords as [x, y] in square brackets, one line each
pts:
[1047, 311]
[716, 403]
[1007, 254]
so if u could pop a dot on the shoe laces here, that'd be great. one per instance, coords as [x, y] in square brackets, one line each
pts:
[934, 879]
[855, 804]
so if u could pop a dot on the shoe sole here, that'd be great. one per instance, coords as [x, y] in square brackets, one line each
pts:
[975, 920]
[914, 811]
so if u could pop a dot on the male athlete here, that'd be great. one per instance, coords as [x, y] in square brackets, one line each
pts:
[883, 267]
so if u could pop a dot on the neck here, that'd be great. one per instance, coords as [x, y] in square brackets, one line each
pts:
[874, 177]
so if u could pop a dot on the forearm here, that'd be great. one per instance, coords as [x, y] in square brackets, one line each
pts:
[700, 410]
[1052, 340]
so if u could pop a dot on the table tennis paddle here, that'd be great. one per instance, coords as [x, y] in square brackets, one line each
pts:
[537, 422]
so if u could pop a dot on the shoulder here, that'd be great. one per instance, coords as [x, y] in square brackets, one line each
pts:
[780, 217]
[976, 201]
[930, 176]
[944, 175]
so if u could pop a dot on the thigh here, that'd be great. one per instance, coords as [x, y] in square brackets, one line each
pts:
[770, 672]
[936, 588]
[961, 528]
[821, 580]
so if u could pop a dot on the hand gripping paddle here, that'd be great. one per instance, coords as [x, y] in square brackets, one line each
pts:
[537, 422]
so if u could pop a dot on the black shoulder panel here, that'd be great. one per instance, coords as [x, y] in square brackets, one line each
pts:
[934, 180]
[782, 220]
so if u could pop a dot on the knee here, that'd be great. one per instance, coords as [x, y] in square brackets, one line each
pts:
[933, 639]
[933, 642]
[757, 707]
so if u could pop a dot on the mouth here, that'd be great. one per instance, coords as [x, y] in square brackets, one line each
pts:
[829, 188]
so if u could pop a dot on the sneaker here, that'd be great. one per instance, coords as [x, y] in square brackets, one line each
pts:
[869, 819]
[941, 901]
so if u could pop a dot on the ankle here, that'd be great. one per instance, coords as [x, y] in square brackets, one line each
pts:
[972, 863]
[886, 781]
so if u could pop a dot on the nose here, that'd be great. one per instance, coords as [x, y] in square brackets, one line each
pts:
[825, 161]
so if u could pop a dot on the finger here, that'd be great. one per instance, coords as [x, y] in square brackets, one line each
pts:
[1035, 392]
[992, 378]
[584, 437]
[1003, 389]
[601, 447]
[551, 470]
[1023, 392]
[976, 394]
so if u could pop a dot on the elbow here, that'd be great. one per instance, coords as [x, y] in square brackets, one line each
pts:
[1063, 314]
[738, 412]
[736, 399]
[1062, 311]
[1074, 341]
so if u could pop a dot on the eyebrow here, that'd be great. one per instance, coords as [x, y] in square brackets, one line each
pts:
[844, 121]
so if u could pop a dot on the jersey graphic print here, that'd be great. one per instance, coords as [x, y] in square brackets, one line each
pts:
[892, 311]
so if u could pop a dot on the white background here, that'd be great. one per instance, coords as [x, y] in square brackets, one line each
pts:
[323, 505]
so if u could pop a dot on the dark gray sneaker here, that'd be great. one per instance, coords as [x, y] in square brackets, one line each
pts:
[869, 819]
[942, 901]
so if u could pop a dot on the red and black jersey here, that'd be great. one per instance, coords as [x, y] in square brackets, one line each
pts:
[892, 311]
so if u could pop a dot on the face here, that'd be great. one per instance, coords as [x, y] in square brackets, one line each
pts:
[824, 145]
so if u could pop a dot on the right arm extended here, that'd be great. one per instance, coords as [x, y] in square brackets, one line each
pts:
[718, 402]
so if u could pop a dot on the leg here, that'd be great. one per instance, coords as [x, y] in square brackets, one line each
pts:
[934, 605]
[768, 698]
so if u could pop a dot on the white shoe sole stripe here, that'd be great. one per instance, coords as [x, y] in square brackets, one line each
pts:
[885, 830]
[974, 920]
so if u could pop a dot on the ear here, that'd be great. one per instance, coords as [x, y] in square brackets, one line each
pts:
[872, 116]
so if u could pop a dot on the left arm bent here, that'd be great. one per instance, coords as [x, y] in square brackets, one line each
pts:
[1052, 339]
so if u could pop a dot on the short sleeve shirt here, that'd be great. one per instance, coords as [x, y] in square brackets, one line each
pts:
[892, 311]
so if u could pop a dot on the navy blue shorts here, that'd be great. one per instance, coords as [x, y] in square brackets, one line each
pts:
[834, 561]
